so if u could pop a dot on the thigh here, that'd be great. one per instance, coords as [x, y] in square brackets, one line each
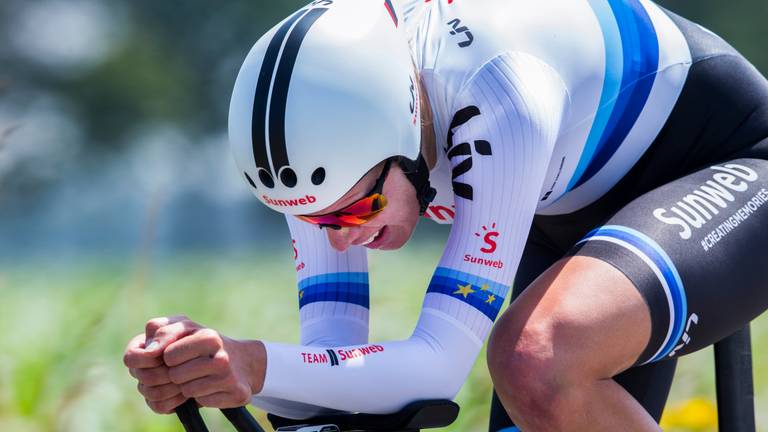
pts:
[694, 250]
[649, 385]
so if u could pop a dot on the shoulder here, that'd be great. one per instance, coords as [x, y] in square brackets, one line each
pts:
[458, 38]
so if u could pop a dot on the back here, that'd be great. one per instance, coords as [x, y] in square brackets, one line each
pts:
[623, 64]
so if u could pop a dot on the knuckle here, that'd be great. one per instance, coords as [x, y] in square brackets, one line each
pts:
[205, 333]
[210, 335]
[161, 333]
[221, 361]
[221, 357]
[154, 324]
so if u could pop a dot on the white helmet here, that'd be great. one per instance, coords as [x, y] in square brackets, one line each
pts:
[321, 99]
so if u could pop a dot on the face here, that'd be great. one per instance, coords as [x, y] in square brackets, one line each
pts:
[392, 227]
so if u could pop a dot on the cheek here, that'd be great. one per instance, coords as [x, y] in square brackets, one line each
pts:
[400, 214]
[401, 223]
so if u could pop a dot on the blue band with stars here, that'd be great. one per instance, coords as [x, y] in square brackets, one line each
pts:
[335, 287]
[482, 294]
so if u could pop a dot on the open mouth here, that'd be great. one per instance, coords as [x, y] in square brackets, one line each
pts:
[376, 239]
[373, 237]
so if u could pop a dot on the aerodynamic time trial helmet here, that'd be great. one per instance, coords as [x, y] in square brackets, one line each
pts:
[322, 98]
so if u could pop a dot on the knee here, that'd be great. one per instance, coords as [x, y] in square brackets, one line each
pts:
[528, 377]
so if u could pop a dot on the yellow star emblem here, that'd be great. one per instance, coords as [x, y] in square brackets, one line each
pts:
[491, 299]
[301, 295]
[464, 290]
[485, 287]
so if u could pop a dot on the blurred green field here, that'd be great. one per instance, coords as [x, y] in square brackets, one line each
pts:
[64, 327]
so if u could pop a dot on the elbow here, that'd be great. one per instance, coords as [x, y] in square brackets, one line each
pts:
[443, 381]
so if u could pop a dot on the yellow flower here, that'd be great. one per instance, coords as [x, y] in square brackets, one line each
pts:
[695, 414]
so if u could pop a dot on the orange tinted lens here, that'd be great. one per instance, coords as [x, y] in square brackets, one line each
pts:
[357, 213]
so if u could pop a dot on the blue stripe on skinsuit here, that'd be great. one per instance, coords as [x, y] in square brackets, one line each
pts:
[656, 254]
[484, 295]
[640, 60]
[347, 277]
[335, 287]
[614, 70]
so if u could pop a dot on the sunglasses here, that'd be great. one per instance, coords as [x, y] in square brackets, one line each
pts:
[359, 212]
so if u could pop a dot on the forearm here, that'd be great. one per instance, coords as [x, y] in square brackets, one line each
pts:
[432, 363]
[332, 288]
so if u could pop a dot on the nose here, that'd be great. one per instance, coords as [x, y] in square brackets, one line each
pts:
[343, 238]
[339, 239]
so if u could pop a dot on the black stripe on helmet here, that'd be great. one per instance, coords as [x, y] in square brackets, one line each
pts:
[279, 99]
[258, 121]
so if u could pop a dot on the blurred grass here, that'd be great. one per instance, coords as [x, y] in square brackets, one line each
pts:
[64, 329]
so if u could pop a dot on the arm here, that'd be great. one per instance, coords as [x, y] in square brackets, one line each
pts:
[333, 303]
[332, 288]
[500, 144]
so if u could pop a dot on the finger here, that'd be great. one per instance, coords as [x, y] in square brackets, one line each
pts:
[223, 400]
[166, 406]
[136, 342]
[203, 343]
[205, 386]
[160, 392]
[136, 356]
[169, 334]
[153, 376]
[196, 369]
[156, 323]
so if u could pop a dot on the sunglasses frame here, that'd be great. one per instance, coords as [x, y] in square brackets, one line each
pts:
[375, 191]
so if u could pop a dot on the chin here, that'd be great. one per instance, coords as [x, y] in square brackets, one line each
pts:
[398, 236]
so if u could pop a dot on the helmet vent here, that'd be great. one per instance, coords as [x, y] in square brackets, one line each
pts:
[250, 180]
[288, 177]
[318, 177]
[266, 178]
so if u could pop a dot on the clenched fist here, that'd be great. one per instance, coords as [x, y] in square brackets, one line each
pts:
[176, 359]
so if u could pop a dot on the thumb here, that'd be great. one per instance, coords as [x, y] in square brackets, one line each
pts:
[169, 334]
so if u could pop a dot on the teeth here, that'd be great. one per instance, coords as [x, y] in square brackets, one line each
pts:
[373, 237]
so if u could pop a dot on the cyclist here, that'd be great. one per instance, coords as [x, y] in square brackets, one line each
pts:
[606, 158]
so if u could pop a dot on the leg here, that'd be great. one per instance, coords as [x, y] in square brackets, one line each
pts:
[646, 287]
[649, 384]
[553, 353]
[537, 257]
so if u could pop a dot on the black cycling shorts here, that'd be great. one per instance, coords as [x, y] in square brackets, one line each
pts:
[688, 225]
